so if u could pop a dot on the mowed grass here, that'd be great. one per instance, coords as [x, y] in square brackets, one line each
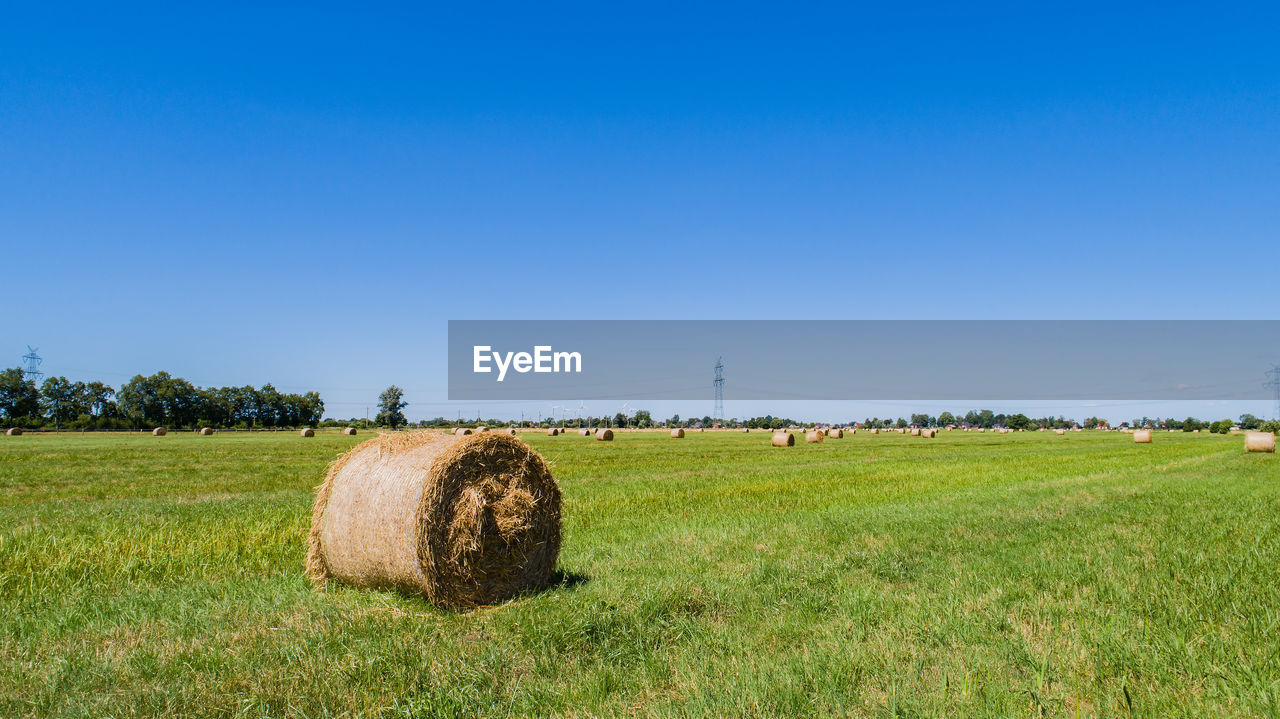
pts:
[969, 575]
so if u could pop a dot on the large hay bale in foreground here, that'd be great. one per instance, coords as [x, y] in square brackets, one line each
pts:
[462, 521]
[815, 436]
[159, 432]
[835, 433]
[604, 435]
[1259, 442]
[349, 430]
[13, 432]
[307, 432]
[554, 431]
[461, 431]
[584, 432]
[783, 439]
[1142, 436]
[677, 433]
[205, 431]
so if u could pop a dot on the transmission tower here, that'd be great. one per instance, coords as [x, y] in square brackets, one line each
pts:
[1274, 385]
[718, 384]
[31, 365]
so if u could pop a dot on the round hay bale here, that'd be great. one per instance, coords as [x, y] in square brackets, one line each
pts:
[584, 432]
[509, 430]
[835, 433]
[1060, 432]
[554, 431]
[677, 433]
[1142, 436]
[307, 432]
[875, 431]
[746, 429]
[982, 429]
[701, 429]
[461, 521]
[783, 439]
[159, 432]
[13, 432]
[815, 436]
[349, 430]
[205, 431]
[929, 433]
[915, 431]
[1259, 442]
[462, 431]
[482, 428]
[604, 435]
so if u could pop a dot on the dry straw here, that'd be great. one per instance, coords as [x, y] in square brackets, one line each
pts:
[783, 439]
[1142, 436]
[929, 433]
[584, 432]
[482, 428]
[875, 431]
[1060, 431]
[159, 432]
[835, 433]
[553, 432]
[348, 430]
[462, 521]
[205, 431]
[462, 431]
[677, 433]
[13, 432]
[307, 432]
[816, 436]
[509, 430]
[915, 431]
[604, 435]
[1259, 442]
[746, 429]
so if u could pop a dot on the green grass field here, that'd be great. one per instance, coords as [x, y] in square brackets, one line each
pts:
[970, 575]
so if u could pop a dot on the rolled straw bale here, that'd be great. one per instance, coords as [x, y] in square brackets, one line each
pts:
[915, 431]
[746, 429]
[462, 431]
[875, 431]
[1259, 442]
[349, 430]
[482, 428]
[13, 432]
[982, 429]
[702, 429]
[1060, 431]
[463, 521]
[902, 430]
[928, 433]
[584, 432]
[677, 433]
[205, 431]
[815, 436]
[835, 433]
[553, 432]
[159, 432]
[509, 430]
[604, 435]
[1142, 436]
[307, 432]
[783, 439]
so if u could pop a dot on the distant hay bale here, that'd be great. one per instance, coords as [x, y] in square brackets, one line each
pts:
[929, 433]
[915, 431]
[875, 431]
[783, 439]
[462, 521]
[815, 436]
[1142, 436]
[307, 432]
[205, 431]
[1259, 442]
[348, 430]
[509, 430]
[482, 428]
[982, 429]
[604, 435]
[746, 429]
[835, 433]
[584, 432]
[677, 433]
[1060, 431]
[553, 432]
[13, 432]
[159, 432]
[702, 429]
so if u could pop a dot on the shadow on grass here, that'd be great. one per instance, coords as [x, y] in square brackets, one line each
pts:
[561, 579]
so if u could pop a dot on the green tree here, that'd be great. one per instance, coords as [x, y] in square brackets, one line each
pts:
[390, 402]
[946, 419]
[18, 395]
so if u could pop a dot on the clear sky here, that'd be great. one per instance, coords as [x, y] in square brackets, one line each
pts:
[304, 195]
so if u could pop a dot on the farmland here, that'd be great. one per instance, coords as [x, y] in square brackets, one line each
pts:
[972, 574]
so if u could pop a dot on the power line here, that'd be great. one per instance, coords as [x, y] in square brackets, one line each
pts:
[718, 384]
[31, 365]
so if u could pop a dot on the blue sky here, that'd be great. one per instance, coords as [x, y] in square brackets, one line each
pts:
[305, 195]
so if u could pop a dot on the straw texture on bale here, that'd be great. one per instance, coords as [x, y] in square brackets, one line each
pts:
[159, 432]
[929, 433]
[13, 431]
[1059, 431]
[835, 433]
[308, 432]
[1142, 436]
[815, 436]
[604, 435]
[348, 430]
[482, 428]
[783, 439]
[746, 429]
[461, 521]
[677, 433]
[206, 431]
[509, 430]
[584, 432]
[553, 432]
[462, 431]
[1259, 442]
[915, 431]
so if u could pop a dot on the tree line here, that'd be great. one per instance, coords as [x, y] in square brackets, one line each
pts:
[160, 400]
